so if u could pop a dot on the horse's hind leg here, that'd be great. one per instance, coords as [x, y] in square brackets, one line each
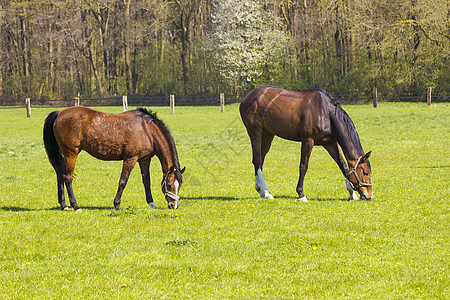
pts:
[70, 161]
[260, 146]
[266, 142]
[60, 180]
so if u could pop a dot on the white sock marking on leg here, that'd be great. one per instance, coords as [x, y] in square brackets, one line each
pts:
[350, 190]
[261, 185]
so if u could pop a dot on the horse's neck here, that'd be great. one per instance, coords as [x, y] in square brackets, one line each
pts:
[346, 143]
[349, 149]
[163, 151]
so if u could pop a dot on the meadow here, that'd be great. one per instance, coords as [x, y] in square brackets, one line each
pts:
[224, 242]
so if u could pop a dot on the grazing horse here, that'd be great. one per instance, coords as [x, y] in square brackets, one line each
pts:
[132, 136]
[311, 117]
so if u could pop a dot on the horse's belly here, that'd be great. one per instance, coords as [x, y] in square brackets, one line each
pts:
[103, 151]
[287, 134]
[295, 131]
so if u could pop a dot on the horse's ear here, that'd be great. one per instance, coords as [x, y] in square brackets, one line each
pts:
[367, 155]
[182, 170]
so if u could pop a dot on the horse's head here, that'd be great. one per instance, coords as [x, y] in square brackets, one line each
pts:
[171, 185]
[359, 177]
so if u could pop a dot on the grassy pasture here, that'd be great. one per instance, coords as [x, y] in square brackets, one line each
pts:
[225, 242]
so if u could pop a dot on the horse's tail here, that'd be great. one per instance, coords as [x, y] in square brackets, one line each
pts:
[51, 145]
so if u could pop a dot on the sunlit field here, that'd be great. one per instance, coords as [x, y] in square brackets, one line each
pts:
[224, 242]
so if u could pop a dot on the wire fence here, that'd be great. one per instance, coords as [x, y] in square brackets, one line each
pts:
[412, 95]
[346, 97]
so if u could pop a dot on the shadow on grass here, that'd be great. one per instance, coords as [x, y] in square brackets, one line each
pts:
[215, 198]
[328, 199]
[338, 199]
[434, 167]
[290, 197]
[18, 209]
[56, 208]
[97, 208]
[314, 199]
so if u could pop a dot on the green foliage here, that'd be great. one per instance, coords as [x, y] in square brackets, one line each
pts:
[225, 242]
[57, 49]
[247, 43]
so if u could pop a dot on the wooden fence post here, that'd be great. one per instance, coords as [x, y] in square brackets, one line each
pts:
[77, 101]
[429, 96]
[375, 97]
[28, 105]
[125, 103]
[222, 102]
[172, 104]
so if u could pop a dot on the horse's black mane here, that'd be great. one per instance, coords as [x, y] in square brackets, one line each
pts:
[147, 113]
[152, 117]
[342, 115]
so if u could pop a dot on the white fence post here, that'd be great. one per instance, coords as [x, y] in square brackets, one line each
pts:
[28, 104]
[222, 102]
[125, 103]
[172, 104]
[429, 96]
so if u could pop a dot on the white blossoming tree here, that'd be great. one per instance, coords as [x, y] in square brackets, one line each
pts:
[247, 42]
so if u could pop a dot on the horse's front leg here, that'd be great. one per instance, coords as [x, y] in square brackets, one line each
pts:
[145, 172]
[307, 146]
[333, 150]
[128, 165]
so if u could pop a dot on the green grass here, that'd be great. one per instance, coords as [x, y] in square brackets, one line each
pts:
[225, 242]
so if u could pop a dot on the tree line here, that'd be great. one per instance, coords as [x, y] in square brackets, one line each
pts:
[56, 49]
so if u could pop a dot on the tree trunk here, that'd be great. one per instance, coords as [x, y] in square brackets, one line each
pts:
[126, 41]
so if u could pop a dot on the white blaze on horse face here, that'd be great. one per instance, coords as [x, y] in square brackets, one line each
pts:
[349, 186]
[261, 185]
[176, 184]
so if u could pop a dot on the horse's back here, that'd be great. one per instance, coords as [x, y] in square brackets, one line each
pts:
[72, 117]
[289, 114]
[274, 98]
[106, 136]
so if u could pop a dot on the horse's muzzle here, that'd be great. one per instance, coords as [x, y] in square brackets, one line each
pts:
[364, 197]
[172, 205]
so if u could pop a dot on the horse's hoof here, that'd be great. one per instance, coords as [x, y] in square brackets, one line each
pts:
[353, 196]
[152, 205]
[78, 210]
[66, 208]
[266, 195]
[302, 199]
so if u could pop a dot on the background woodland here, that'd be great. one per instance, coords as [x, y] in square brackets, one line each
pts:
[98, 48]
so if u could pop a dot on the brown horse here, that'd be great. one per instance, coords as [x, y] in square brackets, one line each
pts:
[132, 136]
[312, 118]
